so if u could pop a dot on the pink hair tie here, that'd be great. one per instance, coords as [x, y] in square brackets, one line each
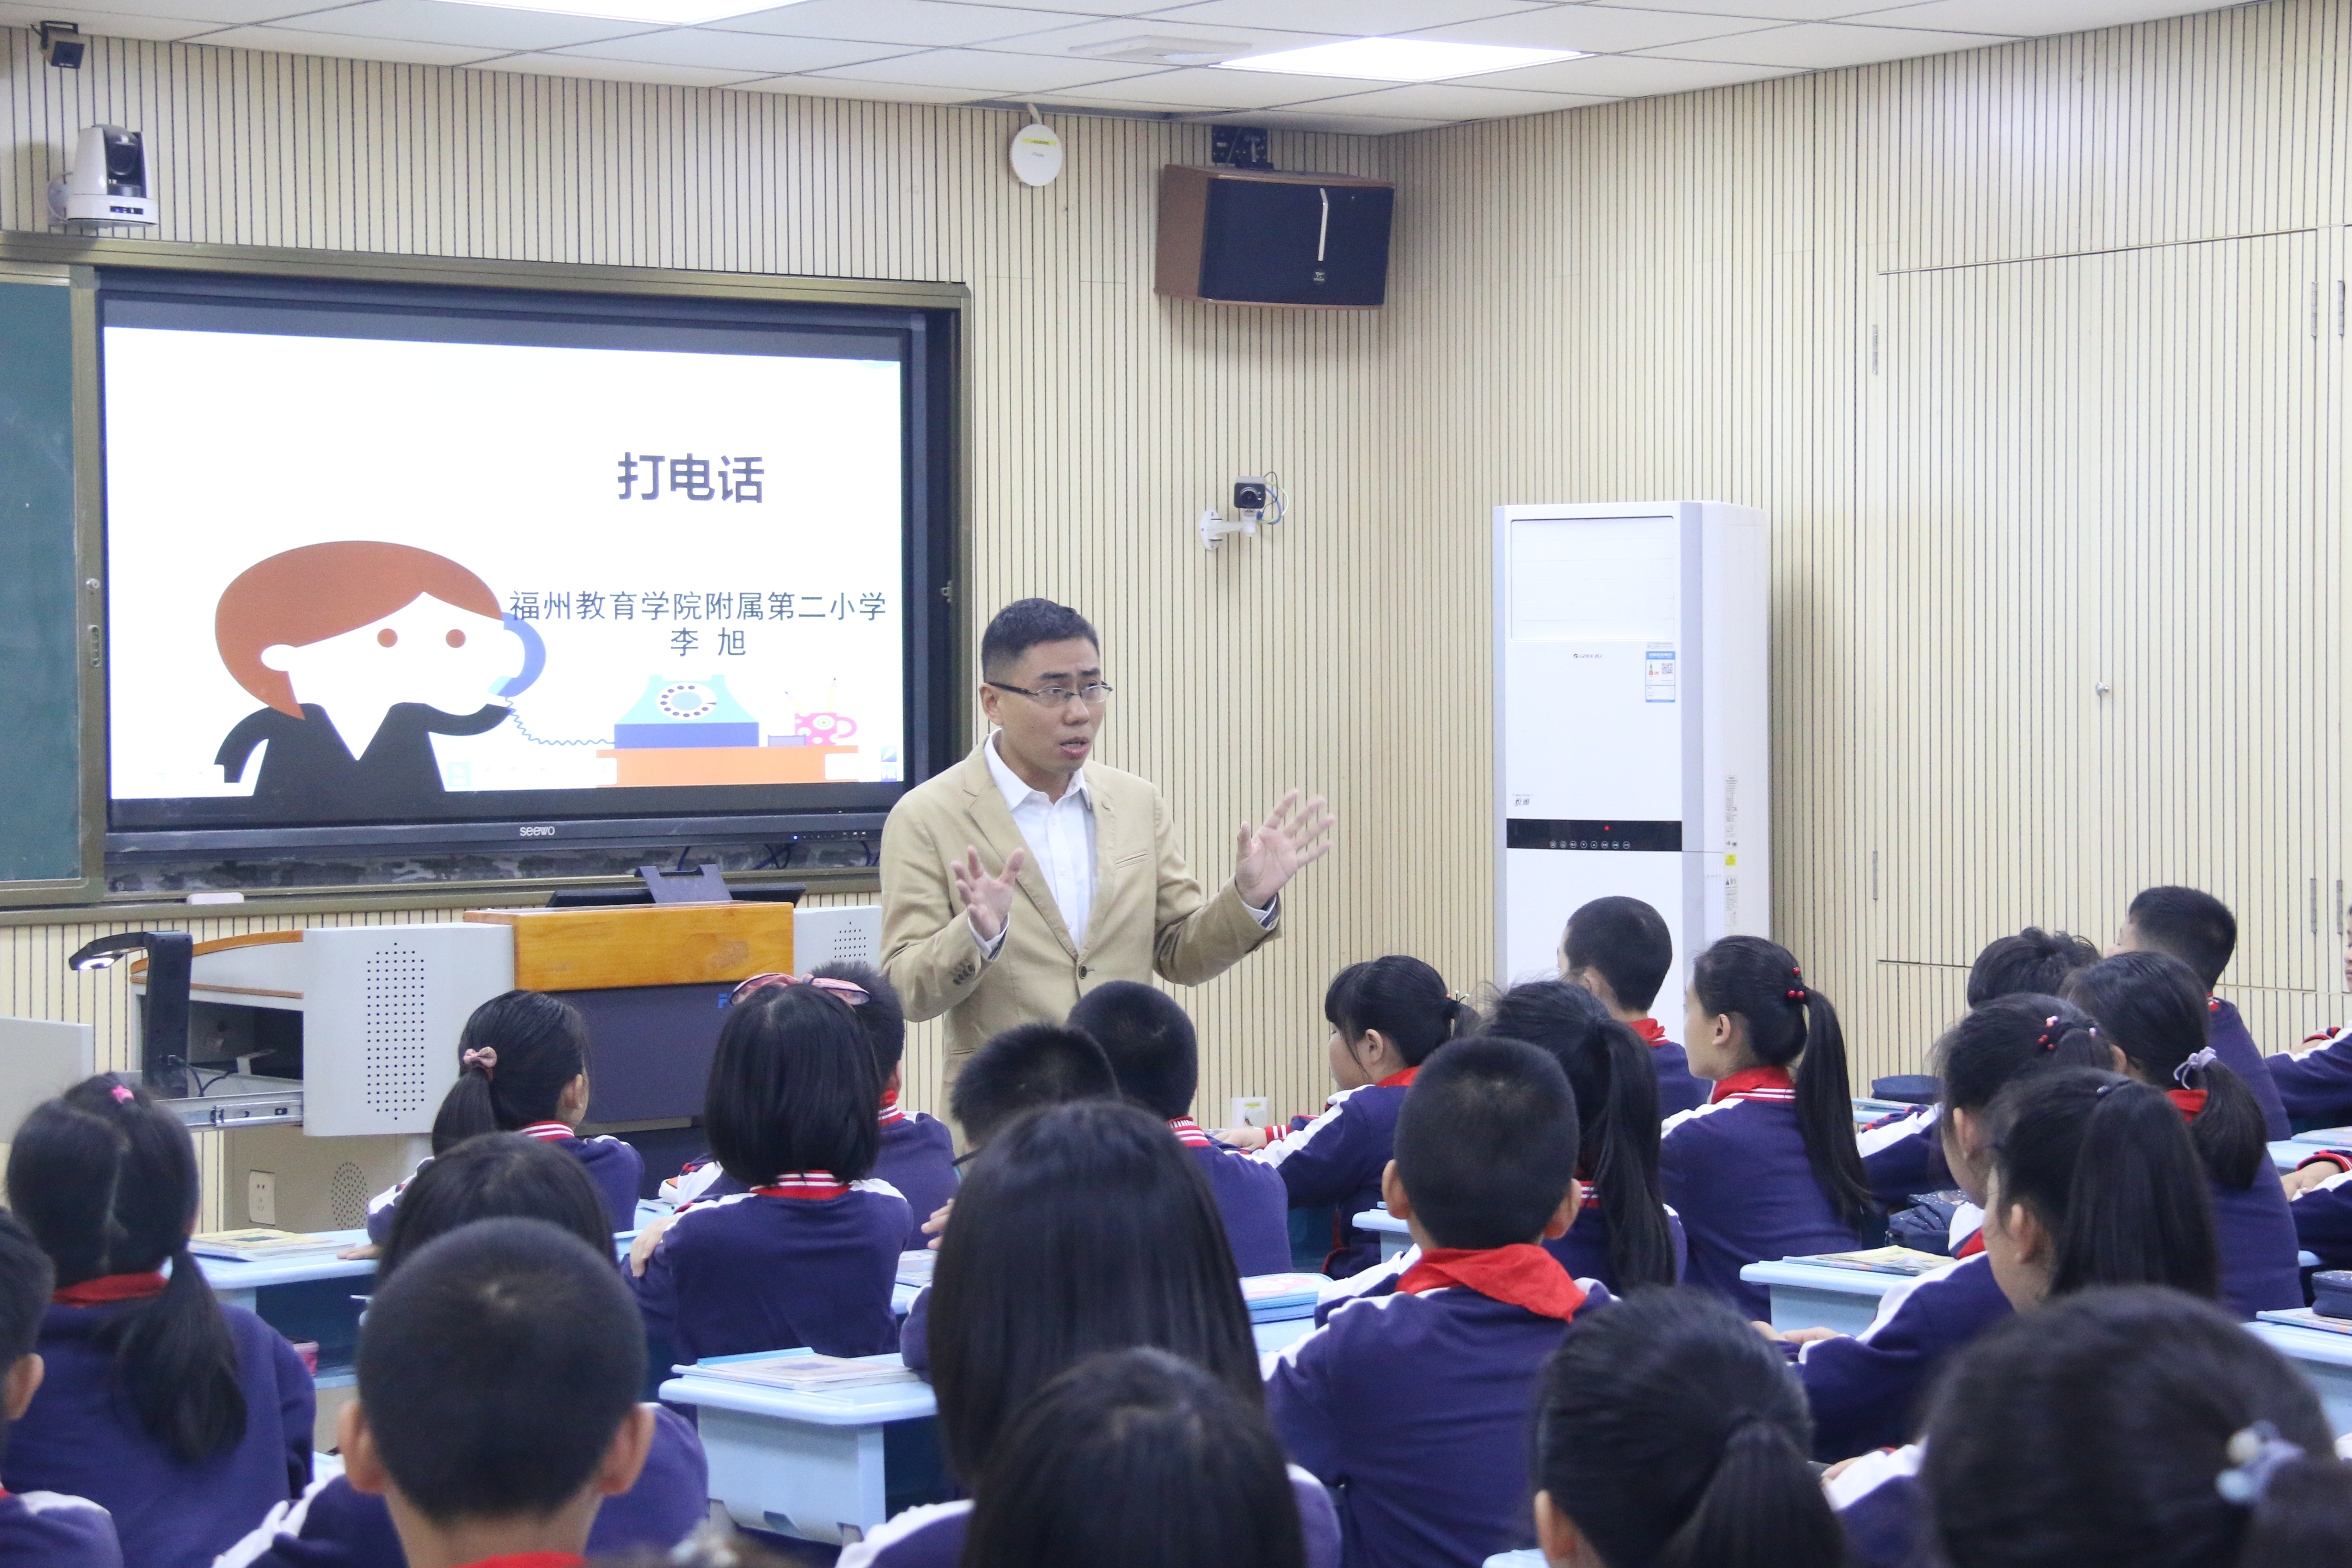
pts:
[121, 1095]
[485, 1058]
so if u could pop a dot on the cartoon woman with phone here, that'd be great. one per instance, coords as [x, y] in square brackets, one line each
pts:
[362, 652]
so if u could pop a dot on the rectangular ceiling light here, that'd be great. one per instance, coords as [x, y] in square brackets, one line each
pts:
[653, 13]
[1399, 59]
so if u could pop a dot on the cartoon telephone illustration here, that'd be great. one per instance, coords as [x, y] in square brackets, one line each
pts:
[824, 729]
[675, 713]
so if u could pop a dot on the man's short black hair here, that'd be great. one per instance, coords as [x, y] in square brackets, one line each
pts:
[2033, 963]
[27, 1277]
[1627, 943]
[1153, 1052]
[883, 1015]
[1022, 625]
[2196, 928]
[495, 1367]
[1486, 1142]
[1025, 1067]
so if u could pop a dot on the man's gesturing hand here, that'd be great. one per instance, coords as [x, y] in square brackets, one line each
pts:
[988, 898]
[1291, 837]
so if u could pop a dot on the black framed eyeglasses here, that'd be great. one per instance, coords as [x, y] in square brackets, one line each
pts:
[1093, 694]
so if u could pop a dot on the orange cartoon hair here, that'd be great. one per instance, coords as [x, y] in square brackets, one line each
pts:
[321, 591]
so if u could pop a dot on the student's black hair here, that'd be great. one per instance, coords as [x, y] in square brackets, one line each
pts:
[502, 1176]
[1022, 625]
[2096, 1433]
[106, 1180]
[1671, 1434]
[1404, 998]
[1787, 1019]
[1627, 942]
[495, 1367]
[2194, 927]
[1141, 1458]
[2149, 1006]
[539, 1044]
[1021, 1068]
[2009, 1038]
[1082, 1228]
[1486, 1142]
[1150, 1042]
[1616, 1091]
[883, 1015]
[2107, 1168]
[2034, 960]
[26, 1278]
[794, 1085]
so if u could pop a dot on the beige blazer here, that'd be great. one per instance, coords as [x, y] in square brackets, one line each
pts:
[1150, 915]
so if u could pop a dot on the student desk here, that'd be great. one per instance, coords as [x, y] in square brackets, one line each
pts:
[1395, 1235]
[1816, 1296]
[304, 1298]
[2323, 1357]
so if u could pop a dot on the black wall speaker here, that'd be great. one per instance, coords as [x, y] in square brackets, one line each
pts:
[1254, 236]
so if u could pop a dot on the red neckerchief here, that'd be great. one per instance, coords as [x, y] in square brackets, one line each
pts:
[533, 1560]
[1972, 1246]
[1653, 1033]
[108, 1288]
[1755, 1083]
[1187, 1132]
[1398, 1079]
[545, 1129]
[2191, 1101]
[890, 1112]
[803, 1185]
[1524, 1275]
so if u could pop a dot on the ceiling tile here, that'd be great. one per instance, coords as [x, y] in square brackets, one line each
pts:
[1594, 29]
[857, 91]
[1452, 101]
[1078, 8]
[719, 49]
[109, 24]
[1211, 90]
[344, 46]
[921, 24]
[1065, 39]
[153, 18]
[1759, 10]
[984, 71]
[441, 22]
[1348, 18]
[2028, 18]
[615, 71]
[1630, 76]
[1824, 46]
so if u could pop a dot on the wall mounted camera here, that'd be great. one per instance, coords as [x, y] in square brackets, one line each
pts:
[107, 182]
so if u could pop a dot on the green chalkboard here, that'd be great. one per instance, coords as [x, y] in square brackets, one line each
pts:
[40, 707]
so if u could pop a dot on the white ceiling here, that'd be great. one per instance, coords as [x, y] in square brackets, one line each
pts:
[1049, 51]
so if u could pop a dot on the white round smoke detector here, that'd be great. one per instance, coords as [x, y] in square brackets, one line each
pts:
[1036, 154]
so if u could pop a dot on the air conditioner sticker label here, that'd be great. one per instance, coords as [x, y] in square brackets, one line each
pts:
[1658, 675]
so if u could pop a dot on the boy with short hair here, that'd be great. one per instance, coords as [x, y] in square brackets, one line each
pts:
[49, 1529]
[1156, 1056]
[1414, 1405]
[2199, 929]
[499, 1372]
[1620, 950]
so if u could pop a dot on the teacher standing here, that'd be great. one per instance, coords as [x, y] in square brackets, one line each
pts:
[1089, 882]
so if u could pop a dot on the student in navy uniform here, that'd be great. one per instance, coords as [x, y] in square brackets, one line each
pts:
[1414, 1406]
[1668, 1435]
[1139, 1458]
[1865, 1390]
[1620, 950]
[494, 1427]
[2199, 929]
[1386, 1017]
[2315, 1084]
[502, 1176]
[2151, 1008]
[2131, 1429]
[185, 1419]
[808, 1254]
[1624, 1236]
[1157, 1060]
[37, 1529]
[1082, 1229]
[523, 1067]
[1768, 1167]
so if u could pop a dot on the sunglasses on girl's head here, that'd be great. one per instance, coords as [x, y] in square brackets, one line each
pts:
[848, 991]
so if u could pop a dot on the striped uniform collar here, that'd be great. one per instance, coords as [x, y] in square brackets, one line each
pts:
[1187, 1132]
[1755, 1083]
[546, 1129]
[803, 1185]
[890, 1112]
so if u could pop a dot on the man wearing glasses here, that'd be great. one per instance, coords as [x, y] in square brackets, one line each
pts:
[1028, 874]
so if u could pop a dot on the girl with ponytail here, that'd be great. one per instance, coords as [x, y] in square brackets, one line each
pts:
[2151, 1009]
[185, 1419]
[1668, 1435]
[1386, 1018]
[1768, 1167]
[2131, 1429]
[1624, 1236]
[523, 1067]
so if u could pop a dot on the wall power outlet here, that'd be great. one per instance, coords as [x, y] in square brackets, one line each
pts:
[261, 1198]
